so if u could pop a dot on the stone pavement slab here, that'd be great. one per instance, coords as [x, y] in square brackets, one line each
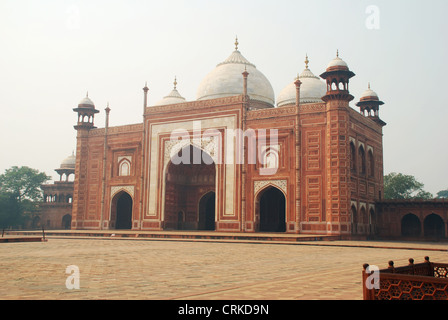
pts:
[187, 270]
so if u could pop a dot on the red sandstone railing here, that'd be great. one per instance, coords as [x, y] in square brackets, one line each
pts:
[422, 281]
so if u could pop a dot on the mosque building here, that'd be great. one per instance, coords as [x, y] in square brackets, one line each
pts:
[56, 210]
[236, 159]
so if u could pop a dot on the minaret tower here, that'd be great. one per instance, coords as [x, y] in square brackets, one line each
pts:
[369, 104]
[337, 77]
[86, 112]
[337, 98]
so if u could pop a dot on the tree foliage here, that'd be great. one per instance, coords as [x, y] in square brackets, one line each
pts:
[443, 194]
[400, 186]
[23, 182]
[20, 193]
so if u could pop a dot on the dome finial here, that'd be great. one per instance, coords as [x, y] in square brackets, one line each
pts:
[236, 43]
[87, 94]
[175, 82]
[306, 62]
[337, 53]
[369, 85]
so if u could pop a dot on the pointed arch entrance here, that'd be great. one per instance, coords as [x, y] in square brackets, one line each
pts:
[207, 212]
[410, 226]
[434, 227]
[271, 210]
[121, 215]
[66, 221]
[190, 188]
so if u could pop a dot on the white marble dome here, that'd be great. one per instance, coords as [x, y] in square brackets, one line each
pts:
[173, 98]
[227, 80]
[86, 102]
[337, 63]
[369, 94]
[312, 90]
[69, 162]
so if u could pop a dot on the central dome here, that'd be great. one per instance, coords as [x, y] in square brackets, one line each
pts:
[312, 89]
[227, 80]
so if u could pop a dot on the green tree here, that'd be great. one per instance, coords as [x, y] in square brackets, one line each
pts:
[9, 211]
[400, 186]
[24, 183]
[20, 193]
[443, 194]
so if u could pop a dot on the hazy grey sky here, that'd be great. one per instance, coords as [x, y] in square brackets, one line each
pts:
[54, 51]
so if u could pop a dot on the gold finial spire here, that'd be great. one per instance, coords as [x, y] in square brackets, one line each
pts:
[236, 43]
[175, 82]
[306, 61]
[337, 53]
[369, 85]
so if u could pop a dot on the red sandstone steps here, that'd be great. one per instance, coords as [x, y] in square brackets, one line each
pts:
[183, 235]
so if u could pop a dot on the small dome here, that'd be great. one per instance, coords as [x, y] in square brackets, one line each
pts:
[337, 63]
[69, 162]
[227, 80]
[369, 94]
[86, 102]
[312, 89]
[173, 98]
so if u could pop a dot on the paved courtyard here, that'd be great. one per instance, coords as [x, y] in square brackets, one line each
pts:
[158, 269]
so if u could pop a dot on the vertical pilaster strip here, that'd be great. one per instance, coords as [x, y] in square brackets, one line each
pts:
[244, 158]
[143, 150]
[298, 83]
[103, 193]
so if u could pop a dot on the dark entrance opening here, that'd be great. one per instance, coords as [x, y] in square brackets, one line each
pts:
[272, 211]
[124, 212]
[207, 212]
[410, 226]
[66, 222]
[434, 227]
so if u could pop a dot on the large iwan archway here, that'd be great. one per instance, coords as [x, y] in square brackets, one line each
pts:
[190, 188]
[271, 210]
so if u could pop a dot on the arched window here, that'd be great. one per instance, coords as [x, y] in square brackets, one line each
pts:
[334, 86]
[124, 168]
[352, 157]
[362, 160]
[371, 163]
[270, 159]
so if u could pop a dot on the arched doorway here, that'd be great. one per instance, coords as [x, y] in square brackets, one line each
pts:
[410, 226]
[272, 210]
[207, 212]
[122, 211]
[354, 220]
[434, 226]
[372, 222]
[66, 222]
[190, 188]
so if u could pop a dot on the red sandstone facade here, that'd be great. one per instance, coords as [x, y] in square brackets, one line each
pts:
[323, 175]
